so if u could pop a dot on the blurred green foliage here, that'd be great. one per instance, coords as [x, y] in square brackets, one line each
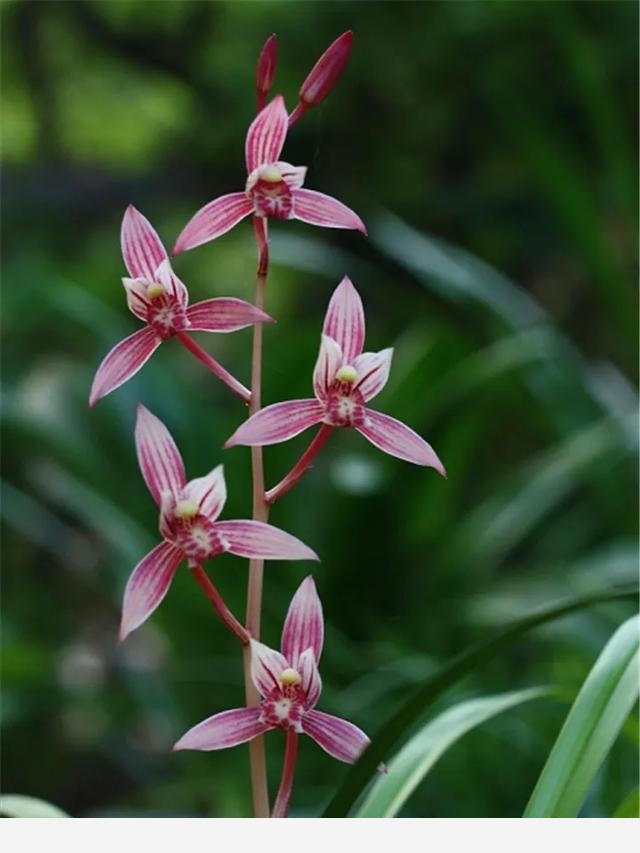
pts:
[505, 128]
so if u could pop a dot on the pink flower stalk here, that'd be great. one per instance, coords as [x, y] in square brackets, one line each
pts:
[324, 75]
[273, 189]
[188, 524]
[290, 686]
[344, 380]
[157, 297]
[266, 69]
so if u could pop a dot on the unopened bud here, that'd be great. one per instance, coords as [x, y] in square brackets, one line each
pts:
[327, 70]
[266, 68]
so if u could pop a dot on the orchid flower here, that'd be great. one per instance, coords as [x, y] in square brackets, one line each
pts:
[188, 524]
[273, 189]
[157, 297]
[344, 380]
[290, 686]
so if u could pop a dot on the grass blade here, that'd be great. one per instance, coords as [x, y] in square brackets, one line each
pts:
[393, 730]
[592, 725]
[409, 767]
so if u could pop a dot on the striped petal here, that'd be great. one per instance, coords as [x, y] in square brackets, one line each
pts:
[330, 360]
[213, 220]
[266, 135]
[344, 320]
[171, 283]
[399, 440]
[224, 315]
[255, 539]
[277, 423]
[124, 360]
[142, 249]
[336, 736]
[293, 176]
[304, 624]
[320, 209]
[159, 458]
[266, 667]
[137, 299]
[311, 682]
[148, 585]
[373, 372]
[223, 730]
[209, 492]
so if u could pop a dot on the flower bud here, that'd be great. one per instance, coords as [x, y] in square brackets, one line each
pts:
[327, 70]
[266, 68]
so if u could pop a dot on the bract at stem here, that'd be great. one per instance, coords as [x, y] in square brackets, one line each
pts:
[214, 366]
[281, 807]
[302, 465]
[207, 585]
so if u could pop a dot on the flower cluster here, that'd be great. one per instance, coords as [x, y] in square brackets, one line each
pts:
[286, 684]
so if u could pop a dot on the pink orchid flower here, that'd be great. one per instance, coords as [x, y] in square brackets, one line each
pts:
[344, 380]
[188, 524]
[273, 189]
[157, 297]
[290, 686]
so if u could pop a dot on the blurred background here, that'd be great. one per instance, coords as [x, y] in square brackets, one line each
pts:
[490, 148]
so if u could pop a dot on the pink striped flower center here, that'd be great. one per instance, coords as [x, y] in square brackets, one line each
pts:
[165, 313]
[197, 536]
[284, 707]
[270, 193]
[345, 403]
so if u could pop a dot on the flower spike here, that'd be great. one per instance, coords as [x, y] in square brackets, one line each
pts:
[188, 524]
[273, 189]
[324, 75]
[290, 687]
[156, 296]
[344, 380]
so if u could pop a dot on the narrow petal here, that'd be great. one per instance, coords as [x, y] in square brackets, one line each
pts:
[278, 423]
[304, 625]
[399, 440]
[213, 220]
[209, 492]
[336, 736]
[137, 300]
[320, 209]
[124, 360]
[159, 458]
[266, 135]
[293, 176]
[373, 372]
[311, 682]
[255, 539]
[266, 667]
[148, 585]
[171, 283]
[344, 320]
[223, 730]
[330, 360]
[142, 249]
[225, 314]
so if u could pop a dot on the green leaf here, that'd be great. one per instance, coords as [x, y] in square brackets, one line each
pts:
[15, 805]
[592, 725]
[409, 767]
[394, 729]
[630, 806]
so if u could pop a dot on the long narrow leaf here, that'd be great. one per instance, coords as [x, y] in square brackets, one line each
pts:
[592, 725]
[409, 767]
[393, 730]
[17, 805]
